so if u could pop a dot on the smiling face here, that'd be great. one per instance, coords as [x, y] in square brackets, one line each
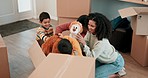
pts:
[45, 23]
[92, 26]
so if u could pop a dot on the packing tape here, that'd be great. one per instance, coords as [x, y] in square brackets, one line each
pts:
[64, 67]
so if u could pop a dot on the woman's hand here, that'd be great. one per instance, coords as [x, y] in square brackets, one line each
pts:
[80, 39]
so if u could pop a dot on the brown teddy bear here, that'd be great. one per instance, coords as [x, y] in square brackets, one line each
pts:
[51, 45]
[47, 45]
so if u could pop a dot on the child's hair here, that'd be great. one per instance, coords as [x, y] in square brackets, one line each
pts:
[83, 19]
[44, 15]
[65, 47]
[103, 25]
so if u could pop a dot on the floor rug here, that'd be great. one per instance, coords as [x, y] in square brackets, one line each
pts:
[16, 27]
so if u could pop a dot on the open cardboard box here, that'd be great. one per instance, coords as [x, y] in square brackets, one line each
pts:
[60, 65]
[141, 15]
[65, 66]
[4, 65]
[139, 23]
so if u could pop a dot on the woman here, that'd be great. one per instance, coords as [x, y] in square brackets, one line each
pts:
[96, 44]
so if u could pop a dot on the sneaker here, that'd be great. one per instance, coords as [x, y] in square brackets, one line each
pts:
[122, 72]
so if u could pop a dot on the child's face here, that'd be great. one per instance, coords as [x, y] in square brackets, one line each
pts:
[45, 23]
[92, 26]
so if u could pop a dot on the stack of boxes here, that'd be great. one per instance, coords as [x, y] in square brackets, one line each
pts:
[70, 10]
[139, 23]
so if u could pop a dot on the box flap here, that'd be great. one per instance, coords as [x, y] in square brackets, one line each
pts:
[131, 11]
[79, 68]
[64, 66]
[36, 54]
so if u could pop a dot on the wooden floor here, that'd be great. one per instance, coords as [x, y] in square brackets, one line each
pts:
[21, 65]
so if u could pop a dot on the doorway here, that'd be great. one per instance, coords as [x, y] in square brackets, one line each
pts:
[25, 9]
[24, 5]
[15, 10]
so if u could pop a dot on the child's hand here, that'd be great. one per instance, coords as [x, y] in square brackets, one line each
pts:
[75, 52]
[47, 38]
[80, 39]
[60, 35]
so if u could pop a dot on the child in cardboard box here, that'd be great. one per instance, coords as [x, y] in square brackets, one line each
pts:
[109, 62]
[64, 46]
[52, 45]
[45, 30]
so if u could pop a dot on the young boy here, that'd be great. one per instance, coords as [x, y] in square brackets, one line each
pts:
[64, 46]
[45, 30]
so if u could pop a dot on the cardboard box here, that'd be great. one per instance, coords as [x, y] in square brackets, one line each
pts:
[139, 17]
[36, 54]
[4, 65]
[65, 20]
[65, 66]
[141, 14]
[72, 8]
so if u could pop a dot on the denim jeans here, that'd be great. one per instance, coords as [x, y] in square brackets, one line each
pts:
[103, 70]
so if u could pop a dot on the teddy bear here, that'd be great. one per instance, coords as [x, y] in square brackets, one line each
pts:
[48, 45]
[75, 28]
[51, 45]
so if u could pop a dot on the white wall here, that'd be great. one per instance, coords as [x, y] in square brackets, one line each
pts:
[49, 6]
[111, 10]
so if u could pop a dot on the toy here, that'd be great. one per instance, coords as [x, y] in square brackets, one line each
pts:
[75, 28]
[51, 45]
[48, 45]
